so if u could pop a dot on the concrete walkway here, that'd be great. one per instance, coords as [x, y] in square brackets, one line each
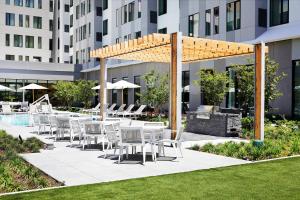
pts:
[73, 166]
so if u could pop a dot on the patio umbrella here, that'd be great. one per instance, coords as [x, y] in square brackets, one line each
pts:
[121, 85]
[4, 88]
[33, 87]
[109, 86]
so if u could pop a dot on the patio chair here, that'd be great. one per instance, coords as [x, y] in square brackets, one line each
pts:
[112, 137]
[24, 106]
[75, 130]
[116, 122]
[53, 124]
[44, 121]
[6, 109]
[92, 130]
[36, 122]
[135, 114]
[176, 143]
[155, 139]
[120, 109]
[63, 127]
[128, 110]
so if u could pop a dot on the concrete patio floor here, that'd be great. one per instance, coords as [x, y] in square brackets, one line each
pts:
[74, 166]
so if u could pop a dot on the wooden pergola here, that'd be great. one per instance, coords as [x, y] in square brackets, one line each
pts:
[176, 50]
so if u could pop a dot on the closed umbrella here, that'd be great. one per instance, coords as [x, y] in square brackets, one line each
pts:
[109, 86]
[33, 87]
[121, 85]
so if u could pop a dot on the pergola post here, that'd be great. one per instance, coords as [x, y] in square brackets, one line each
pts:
[175, 82]
[259, 105]
[103, 77]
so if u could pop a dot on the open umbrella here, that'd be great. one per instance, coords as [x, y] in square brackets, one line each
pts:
[109, 86]
[121, 85]
[4, 88]
[33, 87]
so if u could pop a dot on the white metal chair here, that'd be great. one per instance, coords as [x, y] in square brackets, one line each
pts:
[63, 126]
[92, 130]
[36, 122]
[75, 130]
[154, 138]
[112, 137]
[120, 109]
[53, 124]
[44, 121]
[176, 143]
[135, 114]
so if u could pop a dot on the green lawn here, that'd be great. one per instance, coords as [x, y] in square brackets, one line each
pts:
[268, 180]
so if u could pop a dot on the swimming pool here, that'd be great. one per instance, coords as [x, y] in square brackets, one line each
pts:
[16, 119]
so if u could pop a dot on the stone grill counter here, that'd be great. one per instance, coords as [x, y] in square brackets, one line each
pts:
[216, 124]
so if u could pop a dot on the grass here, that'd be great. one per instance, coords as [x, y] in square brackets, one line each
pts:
[266, 180]
[15, 173]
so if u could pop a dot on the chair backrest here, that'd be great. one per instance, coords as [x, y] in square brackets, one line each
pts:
[44, 119]
[75, 127]
[140, 110]
[111, 108]
[111, 133]
[92, 128]
[154, 124]
[121, 108]
[130, 107]
[6, 108]
[24, 104]
[179, 134]
[36, 119]
[53, 121]
[132, 135]
[63, 122]
[97, 107]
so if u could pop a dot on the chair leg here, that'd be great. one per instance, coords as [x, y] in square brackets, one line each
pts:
[175, 148]
[127, 152]
[144, 155]
[120, 152]
[180, 148]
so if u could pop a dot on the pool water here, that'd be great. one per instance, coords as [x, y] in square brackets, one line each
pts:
[16, 119]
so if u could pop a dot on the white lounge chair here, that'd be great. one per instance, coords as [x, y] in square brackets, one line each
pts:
[135, 114]
[120, 109]
[128, 110]
[111, 108]
[93, 110]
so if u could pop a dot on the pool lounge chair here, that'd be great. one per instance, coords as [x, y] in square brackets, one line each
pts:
[120, 109]
[137, 113]
[93, 110]
[128, 110]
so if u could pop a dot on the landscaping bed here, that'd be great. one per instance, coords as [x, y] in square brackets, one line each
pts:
[282, 138]
[15, 173]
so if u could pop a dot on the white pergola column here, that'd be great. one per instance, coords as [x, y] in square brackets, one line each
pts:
[175, 82]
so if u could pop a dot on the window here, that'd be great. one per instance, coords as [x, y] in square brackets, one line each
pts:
[99, 11]
[105, 4]
[27, 58]
[27, 21]
[117, 40]
[296, 91]
[279, 12]
[20, 58]
[71, 21]
[40, 4]
[139, 8]
[50, 44]
[105, 27]
[162, 30]
[67, 28]
[84, 32]
[71, 41]
[117, 17]
[9, 19]
[262, 17]
[77, 12]
[29, 41]
[37, 22]
[114, 93]
[18, 40]
[71, 59]
[90, 29]
[18, 2]
[88, 6]
[29, 3]
[125, 92]
[51, 5]
[193, 25]
[7, 2]
[185, 92]
[20, 20]
[137, 81]
[125, 38]
[7, 40]
[37, 58]
[207, 22]
[124, 14]
[153, 17]
[77, 57]
[82, 9]
[162, 7]
[216, 20]
[67, 8]
[131, 11]
[88, 54]
[66, 48]
[40, 42]
[233, 20]
[71, 3]
[98, 37]
[138, 34]
[9, 57]
[50, 25]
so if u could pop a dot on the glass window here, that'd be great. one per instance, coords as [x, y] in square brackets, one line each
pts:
[37, 22]
[88, 6]
[37, 58]
[27, 58]
[7, 40]
[67, 28]
[131, 11]
[98, 37]
[114, 93]
[117, 40]
[207, 22]
[194, 25]
[105, 4]
[153, 17]
[18, 2]
[40, 4]
[27, 21]
[137, 81]
[20, 58]
[185, 92]
[50, 44]
[29, 41]
[40, 42]
[66, 48]
[51, 25]
[77, 12]
[7, 2]
[279, 12]
[20, 20]
[124, 14]
[90, 29]
[51, 5]
[29, 3]
[296, 89]
[9, 19]
[82, 8]
[71, 41]
[262, 17]
[233, 20]
[9, 57]
[125, 92]
[162, 7]
[139, 8]
[162, 30]
[99, 11]
[117, 17]
[84, 32]
[18, 40]
[71, 21]
[216, 20]
[105, 27]
[138, 34]
[71, 3]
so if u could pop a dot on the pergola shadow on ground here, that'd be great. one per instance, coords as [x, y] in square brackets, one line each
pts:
[176, 50]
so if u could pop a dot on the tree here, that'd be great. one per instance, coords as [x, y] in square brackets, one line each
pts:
[214, 85]
[245, 83]
[85, 93]
[65, 92]
[156, 93]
